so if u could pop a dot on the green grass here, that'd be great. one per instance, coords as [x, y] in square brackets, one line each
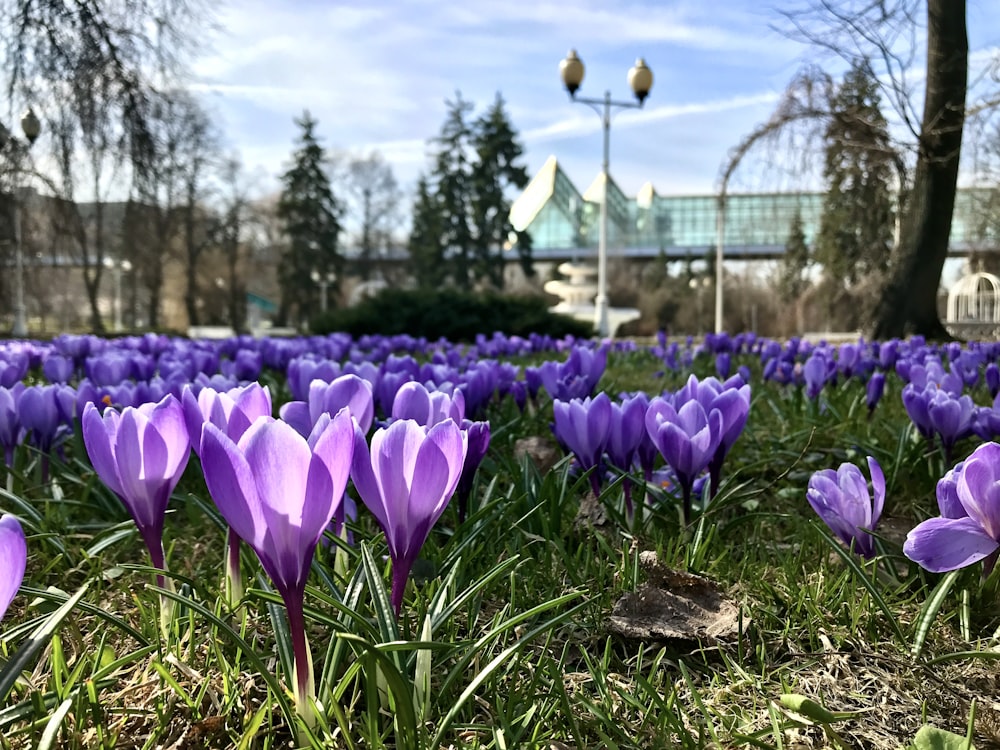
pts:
[503, 641]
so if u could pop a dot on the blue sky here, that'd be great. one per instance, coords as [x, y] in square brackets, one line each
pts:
[376, 76]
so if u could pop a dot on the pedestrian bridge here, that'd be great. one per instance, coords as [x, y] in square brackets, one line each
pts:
[563, 223]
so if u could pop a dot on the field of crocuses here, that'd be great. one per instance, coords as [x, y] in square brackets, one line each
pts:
[521, 542]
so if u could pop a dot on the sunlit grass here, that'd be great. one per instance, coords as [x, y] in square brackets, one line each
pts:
[503, 641]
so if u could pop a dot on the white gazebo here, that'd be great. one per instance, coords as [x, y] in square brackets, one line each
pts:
[974, 300]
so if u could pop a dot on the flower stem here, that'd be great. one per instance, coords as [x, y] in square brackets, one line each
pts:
[234, 575]
[303, 685]
[400, 575]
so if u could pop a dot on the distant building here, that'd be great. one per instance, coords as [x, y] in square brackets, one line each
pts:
[563, 223]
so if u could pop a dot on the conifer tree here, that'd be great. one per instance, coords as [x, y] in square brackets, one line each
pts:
[792, 281]
[310, 215]
[452, 176]
[426, 245]
[496, 171]
[461, 221]
[855, 234]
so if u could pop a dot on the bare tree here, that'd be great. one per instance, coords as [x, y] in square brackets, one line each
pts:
[84, 223]
[884, 33]
[197, 148]
[373, 198]
[115, 47]
[169, 188]
[233, 228]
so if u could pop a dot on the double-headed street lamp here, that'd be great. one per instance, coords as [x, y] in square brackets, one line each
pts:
[324, 280]
[117, 268]
[640, 79]
[31, 127]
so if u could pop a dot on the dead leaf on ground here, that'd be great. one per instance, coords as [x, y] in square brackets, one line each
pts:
[675, 605]
[542, 452]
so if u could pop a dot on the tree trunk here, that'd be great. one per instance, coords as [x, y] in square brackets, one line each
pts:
[191, 267]
[92, 284]
[909, 302]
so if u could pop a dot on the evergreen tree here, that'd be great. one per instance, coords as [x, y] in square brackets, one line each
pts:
[452, 175]
[855, 235]
[310, 215]
[461, 221]
[426, 245]
[494, 172]
[792, 281]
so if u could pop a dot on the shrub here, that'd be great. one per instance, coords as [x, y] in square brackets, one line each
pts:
[449, 313]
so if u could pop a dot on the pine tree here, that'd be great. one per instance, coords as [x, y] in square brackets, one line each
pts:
[452, 175]
[426, 245]
[461, 219]
[310, 214]
[855, 235]
[495, 171]
[792, 281]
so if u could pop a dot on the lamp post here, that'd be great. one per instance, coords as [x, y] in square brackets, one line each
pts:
[640, 80]
[31, 127]
[699, 288]
[324, 280]
[117, 268]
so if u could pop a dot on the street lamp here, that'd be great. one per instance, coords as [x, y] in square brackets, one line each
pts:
[323, 280]
[117, 268]
[640, 80]
[31, 127]
[699, 288]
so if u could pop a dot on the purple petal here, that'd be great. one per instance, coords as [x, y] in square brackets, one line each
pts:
[167, 418]
[878, 490]
[13, 560]
[99, 438]
[978, 488]
[364, 479]
[296, 413]
[395, 453]
[437, 469]
[279, 458]
[141, 455]
[943, 544]
[412, 401]
[231, 485]
[332, 451]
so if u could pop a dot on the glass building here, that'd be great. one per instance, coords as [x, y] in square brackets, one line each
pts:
[563, 223]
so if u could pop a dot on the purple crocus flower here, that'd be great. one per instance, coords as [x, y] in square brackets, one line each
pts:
[626, 434]
[478, 436]
[279, 491]
[687, 438]
[992, 377]
[583, 426]
[841, 498]
[13, 559]
[406, 479]
[330, 397]
[873, 391]
[140, 455]
[14, 366]
[45, 412]
[426, 406]
[723, 364]
[11, 431]
[57, 368]
[233, 412]
[951, 418]
[576, 377]
[732, 400]
[968, 531]
[817, 371]
[937, 412]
